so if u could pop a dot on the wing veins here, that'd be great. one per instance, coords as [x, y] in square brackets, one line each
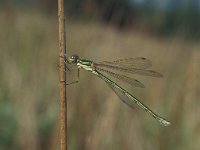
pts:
[129, 70]
[123, 99]
[131, 81]
[138, 63]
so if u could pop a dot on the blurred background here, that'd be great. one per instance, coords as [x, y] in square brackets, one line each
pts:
[166, 32]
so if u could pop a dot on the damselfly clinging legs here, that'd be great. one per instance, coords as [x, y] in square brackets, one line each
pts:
[137, 65]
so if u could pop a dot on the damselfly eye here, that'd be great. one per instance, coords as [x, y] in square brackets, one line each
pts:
[74, 58]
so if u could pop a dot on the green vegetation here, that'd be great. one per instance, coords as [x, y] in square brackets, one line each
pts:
[97, 120]
[148, 17]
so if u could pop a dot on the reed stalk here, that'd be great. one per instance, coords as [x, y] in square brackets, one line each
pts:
[62, 76]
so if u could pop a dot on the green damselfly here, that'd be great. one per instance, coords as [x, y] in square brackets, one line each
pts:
[137, 65]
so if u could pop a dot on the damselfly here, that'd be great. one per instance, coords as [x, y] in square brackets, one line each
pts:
[137, 65]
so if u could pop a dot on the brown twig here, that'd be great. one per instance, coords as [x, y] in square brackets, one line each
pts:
[62, 60]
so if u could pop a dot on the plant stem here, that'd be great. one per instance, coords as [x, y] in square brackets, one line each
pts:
[63, 96]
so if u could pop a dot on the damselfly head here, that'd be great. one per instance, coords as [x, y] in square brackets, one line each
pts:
[74, 58]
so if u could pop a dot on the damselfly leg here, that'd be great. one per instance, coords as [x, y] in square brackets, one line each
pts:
[69, 68]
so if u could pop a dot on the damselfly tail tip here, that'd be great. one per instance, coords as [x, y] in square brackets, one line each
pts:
[164, 122]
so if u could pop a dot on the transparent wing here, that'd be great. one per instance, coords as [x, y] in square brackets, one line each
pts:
[123, 78]
[122, 97]
[128, 70]
[137, 63]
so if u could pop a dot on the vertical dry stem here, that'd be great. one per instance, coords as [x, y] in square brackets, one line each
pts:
[63, 97]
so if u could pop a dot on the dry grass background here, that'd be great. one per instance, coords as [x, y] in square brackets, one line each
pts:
[97, 119]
